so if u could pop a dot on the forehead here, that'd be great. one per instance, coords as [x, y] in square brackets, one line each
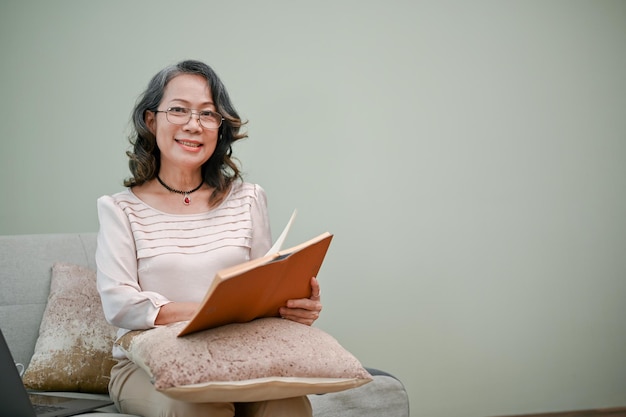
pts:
[188, 87]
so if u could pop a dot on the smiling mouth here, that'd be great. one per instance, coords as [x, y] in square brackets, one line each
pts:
[190, 144]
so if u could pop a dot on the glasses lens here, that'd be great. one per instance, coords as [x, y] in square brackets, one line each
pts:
[178, 115]
[210, 120]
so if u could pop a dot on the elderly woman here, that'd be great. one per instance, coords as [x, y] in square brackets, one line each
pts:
[185, 214]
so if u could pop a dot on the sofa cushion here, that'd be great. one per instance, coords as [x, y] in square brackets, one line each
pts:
[265, 359]
[73, 350]
[25, 262]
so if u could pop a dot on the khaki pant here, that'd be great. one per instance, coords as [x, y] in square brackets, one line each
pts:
[133, 393]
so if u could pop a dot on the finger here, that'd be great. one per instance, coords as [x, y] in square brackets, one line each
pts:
[316, 292]
[307, 317]
[307, 304]
[302, 308]
[307, 322]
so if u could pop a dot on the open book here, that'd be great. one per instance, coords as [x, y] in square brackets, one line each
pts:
[258, 288]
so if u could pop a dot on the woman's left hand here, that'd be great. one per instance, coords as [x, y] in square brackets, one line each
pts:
[304, 310]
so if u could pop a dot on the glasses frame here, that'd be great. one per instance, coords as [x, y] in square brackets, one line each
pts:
[191, 113]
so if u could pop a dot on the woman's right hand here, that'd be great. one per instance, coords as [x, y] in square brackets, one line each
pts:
[175, 312]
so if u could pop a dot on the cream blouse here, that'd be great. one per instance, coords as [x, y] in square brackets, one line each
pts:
[147, 258]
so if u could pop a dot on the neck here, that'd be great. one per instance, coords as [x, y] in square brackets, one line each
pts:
[183, 191]
[180, 180]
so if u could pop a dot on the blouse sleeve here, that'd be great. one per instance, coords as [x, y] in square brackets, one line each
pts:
[125, 304]
[261, 232]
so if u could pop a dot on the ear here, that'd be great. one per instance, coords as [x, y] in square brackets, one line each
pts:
[150, 119]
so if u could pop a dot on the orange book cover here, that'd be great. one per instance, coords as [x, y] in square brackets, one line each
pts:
[258, 288]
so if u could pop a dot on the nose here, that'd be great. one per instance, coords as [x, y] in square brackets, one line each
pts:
[194, 122]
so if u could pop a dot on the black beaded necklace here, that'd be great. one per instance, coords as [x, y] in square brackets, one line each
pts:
[186, 199]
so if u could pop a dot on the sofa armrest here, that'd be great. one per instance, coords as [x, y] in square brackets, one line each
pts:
[384, 396]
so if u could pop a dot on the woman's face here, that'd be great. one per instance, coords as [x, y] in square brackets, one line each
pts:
[190, 145]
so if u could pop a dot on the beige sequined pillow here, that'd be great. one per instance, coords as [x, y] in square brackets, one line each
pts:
[264, 359]
[73, 350]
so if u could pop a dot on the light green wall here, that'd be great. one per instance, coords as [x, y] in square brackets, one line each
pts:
[469, 156]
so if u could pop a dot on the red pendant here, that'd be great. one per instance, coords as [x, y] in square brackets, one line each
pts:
[186, 200]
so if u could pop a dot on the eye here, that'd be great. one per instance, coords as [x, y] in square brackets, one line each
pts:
[178, 110]
[207, 113]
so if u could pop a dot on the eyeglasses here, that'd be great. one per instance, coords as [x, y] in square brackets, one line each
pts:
[181, 116]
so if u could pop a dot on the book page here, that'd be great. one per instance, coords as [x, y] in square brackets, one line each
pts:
[281, 239]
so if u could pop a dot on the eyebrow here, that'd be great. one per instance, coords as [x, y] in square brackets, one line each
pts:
[182, 100]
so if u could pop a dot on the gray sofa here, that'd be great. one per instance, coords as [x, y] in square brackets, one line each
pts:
[25, 265]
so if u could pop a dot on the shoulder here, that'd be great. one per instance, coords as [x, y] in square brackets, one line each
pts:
[122, 200]
[241, 189]
[121, 196]
[245, 197]
[125, 194]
